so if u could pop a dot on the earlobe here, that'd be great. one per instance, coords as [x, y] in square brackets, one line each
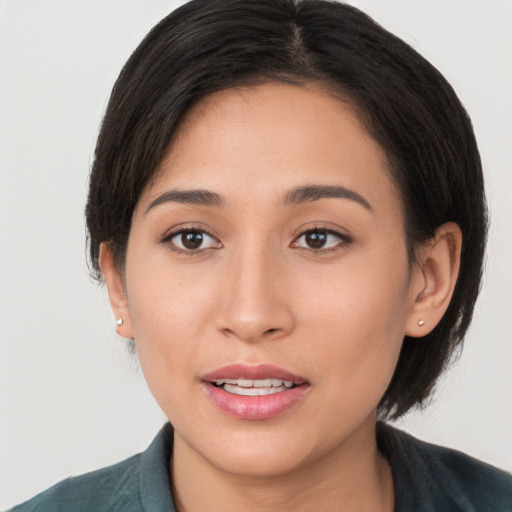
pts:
[116, 292]
[435, 277]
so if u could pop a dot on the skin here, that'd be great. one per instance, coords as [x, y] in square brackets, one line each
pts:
[255, 292]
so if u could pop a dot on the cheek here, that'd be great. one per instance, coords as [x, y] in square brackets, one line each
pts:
[357, 320]
[167, 309]
[167, 317]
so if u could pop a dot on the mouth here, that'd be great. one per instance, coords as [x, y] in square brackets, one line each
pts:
[254, 392]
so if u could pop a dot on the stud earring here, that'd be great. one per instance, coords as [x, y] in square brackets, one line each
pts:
[120, 322]
[421, 322]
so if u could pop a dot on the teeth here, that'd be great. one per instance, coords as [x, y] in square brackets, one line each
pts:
[245, 383]
[248, 383]
[252, 391]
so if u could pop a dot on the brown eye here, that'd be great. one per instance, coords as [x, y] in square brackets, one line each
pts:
[193, 240]
[318, 239]
[315, 239]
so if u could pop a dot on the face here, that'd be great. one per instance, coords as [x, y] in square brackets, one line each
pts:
[269, 248]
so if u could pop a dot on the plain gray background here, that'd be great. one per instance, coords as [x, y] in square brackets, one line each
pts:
[71, 398]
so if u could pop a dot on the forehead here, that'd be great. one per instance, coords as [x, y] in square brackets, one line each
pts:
[269, 139]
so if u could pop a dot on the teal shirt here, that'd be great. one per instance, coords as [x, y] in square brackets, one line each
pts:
[427, 478]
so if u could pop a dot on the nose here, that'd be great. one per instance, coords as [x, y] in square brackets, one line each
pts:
[255, 298]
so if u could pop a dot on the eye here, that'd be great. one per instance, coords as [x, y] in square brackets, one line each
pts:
[320, 239]
[191, 240]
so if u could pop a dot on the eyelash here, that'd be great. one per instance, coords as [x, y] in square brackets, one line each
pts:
[167, 239]
[344, 240]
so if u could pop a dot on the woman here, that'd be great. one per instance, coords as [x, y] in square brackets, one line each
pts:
[287, 208]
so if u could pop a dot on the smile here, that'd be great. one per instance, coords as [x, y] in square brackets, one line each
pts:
[254, 392]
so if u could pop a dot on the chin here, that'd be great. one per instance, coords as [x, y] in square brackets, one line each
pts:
[259, 451]
[271, 461]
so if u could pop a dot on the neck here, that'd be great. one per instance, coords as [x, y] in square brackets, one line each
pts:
[354, 476]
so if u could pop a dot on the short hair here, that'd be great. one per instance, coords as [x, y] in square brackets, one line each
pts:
[404, 102]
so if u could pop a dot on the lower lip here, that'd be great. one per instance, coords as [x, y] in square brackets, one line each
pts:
[260, 407]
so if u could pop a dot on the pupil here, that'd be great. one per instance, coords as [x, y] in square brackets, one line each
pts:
[192, 239]
[316, 239]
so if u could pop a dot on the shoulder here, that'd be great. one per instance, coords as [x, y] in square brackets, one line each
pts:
[108, 489]
[466, 479]
[137, 484]
[441, 478]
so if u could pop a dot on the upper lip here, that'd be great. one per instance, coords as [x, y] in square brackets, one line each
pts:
[252, 372]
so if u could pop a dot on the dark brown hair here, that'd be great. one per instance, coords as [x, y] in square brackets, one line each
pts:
[405, 103]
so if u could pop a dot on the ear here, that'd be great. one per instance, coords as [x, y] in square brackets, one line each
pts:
[115, 289]
[434, 276]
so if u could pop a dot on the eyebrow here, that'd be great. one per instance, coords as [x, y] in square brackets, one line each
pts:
[201, 197]
[304, 194]
[310, 193]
